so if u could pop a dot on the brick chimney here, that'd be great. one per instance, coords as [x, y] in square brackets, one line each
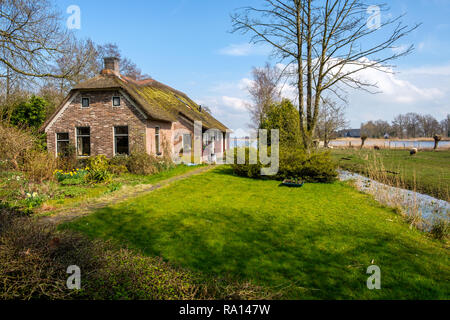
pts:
[112, 65]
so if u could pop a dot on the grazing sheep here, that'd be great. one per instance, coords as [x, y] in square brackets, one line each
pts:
[413, 151]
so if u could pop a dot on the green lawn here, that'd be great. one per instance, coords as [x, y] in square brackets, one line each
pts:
[427, 172]
[313, 242]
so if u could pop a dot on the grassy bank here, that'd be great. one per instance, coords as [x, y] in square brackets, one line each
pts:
[426, 172]
[313, 242]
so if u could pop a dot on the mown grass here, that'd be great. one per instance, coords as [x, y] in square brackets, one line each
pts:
[315, 242]
[426, 172]
[34, 258]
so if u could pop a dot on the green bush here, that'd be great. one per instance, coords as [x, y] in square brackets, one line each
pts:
[294, 163]
[247, 169]
[119, 160]
[118, 164]
[98, 169]
[313, 167]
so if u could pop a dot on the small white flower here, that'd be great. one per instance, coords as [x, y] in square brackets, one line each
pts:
[28, 195]
[35, 194]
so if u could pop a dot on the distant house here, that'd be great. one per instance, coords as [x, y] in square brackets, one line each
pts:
[111, 114]
[350, 133]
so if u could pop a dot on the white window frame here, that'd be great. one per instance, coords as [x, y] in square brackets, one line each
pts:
[120, 101]
[120, 135]
[56, 137]
[190, 140]
[158, 145]
[89, 102]
[90, 141]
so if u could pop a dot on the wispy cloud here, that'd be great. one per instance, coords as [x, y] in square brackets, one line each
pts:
[244, 49]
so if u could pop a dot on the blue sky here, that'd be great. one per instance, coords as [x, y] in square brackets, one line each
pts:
[187, 45]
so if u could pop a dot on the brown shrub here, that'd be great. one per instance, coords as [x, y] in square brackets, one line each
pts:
[39, 166]
[15, 145]
[142, 163]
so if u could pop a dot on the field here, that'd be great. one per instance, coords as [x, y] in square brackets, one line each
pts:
[426, 172]
[315, 242]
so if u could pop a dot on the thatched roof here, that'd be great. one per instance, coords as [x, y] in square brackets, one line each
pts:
[157, 100]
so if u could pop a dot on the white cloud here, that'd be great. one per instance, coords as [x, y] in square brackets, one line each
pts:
[423, 90]
[244, 49]
[400, 49]
[235, 103]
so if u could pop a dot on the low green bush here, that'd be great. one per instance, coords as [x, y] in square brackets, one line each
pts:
[313, 167]
[246, 169]
[98, 169]
[294, 163]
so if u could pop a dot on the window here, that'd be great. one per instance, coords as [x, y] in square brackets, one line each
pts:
[121, 140]
[157, 141]
[84, 142]
[85, 102]
[62, 143]
[187, 142]
[116, 101]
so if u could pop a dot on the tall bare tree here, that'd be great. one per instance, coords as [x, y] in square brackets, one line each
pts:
[31, 38]
[328, 42]
[78, 63]
[445, 126]
[264, 92]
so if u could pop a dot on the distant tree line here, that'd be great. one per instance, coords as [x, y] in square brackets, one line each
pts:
[410, 125]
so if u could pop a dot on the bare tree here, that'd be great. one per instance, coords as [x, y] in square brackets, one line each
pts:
[399, 126]
[331, 120]
[31, 38]
[127, 67]
[445, 126]
[78, 63]
[327, 42]
[412, 125]
[264, 93]
[429, 126]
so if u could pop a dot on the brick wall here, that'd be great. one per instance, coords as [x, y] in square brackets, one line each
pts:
[101, 117]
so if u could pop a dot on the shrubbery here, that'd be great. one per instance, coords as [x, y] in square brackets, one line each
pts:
[98, 169]
[20, 151]
[145, 164]
[294, 163]
[313, 167]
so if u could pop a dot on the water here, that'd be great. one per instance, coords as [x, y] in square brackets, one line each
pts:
[428, 207]
[392, 143]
